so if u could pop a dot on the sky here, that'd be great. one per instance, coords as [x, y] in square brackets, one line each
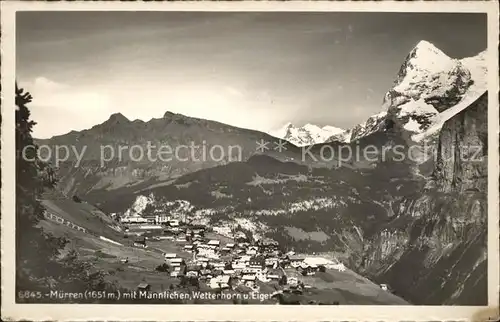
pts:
[256, 70]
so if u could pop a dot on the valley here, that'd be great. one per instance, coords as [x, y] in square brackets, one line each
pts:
[413, 220]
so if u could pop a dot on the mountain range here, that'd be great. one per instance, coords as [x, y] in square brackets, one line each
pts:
[418, 224]
[310, 134]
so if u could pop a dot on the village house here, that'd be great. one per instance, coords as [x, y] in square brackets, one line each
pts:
[248, 280]
[222, 282]
[238, 267]
[295, 260]
[308, 269]
[273, 277]
[252, 250]
[230, 245]
[150, 227]
[144, 287]
[206, 273]
[240, 237]
[192, 274]
[189, 248]
[173, 223]
[170, 255]
[245, 259]
[229, 272]
[199, 232]
[269, 244]
[181, 238]
[202, 261]
[214, 243]
[219, 265]
[161, 219]
[175, 230]
[140, 241]
[207, 252]
[274, 274]
[257, 261]
[175, 262]
[293, 281]
[133, 220]
[271, 261]
[261, 275]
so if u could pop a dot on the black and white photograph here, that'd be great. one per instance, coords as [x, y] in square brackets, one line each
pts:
[334, 158]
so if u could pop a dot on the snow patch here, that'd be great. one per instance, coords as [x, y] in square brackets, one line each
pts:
[309, 134]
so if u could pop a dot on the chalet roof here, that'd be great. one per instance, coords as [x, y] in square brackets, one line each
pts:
[202, 259]
[143, 285]
[305, 265]
[248, 277]
[214, 242]
[170, 255]
[222, 279]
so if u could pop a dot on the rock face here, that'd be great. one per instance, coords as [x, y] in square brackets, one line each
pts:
[463, 149]
[434, 249]
[374, 123]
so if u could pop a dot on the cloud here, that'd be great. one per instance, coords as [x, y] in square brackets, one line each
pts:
[60, 108]
[233, 91]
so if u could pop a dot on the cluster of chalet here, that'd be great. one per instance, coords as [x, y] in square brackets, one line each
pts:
[229, 265]
[172, 230]
[240, 263]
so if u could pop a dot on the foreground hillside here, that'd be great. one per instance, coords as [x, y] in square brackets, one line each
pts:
[106, 250]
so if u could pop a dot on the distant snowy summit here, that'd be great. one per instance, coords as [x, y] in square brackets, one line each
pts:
[310, 134]
[430, 87]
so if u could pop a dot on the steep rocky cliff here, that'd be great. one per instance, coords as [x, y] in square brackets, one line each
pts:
[433, 250]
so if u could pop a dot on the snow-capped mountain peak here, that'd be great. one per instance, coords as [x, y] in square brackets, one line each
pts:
[429, 88]
[428, 84]
[308, 134]
[430, 74]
